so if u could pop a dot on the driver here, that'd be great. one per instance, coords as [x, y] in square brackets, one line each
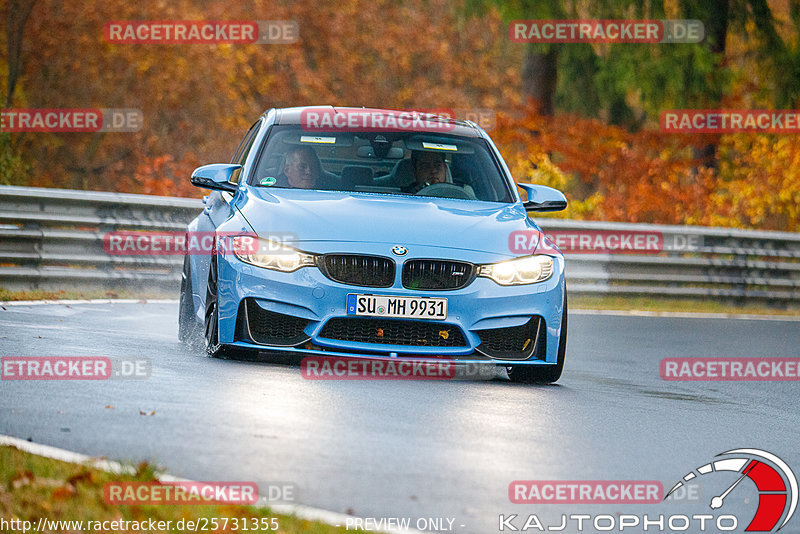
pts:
[429, 168]
[302, 169]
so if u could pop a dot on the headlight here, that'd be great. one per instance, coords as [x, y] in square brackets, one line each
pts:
[527, 270]
[270, 254]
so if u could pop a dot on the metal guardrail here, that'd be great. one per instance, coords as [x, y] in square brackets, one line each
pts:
[722, 263]
[53, 239]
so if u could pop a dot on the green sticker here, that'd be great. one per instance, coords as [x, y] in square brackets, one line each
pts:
[269, 180]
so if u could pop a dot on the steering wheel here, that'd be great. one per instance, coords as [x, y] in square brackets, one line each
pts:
[444, 190]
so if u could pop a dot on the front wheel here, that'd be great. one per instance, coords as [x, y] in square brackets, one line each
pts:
[188, 326]
[543, 374]
[214, 348]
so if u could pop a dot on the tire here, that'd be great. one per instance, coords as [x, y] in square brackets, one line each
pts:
[189, 331]
[543, 374]
[214, 348]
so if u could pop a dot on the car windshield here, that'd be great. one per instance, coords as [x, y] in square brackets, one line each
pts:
[394, 163]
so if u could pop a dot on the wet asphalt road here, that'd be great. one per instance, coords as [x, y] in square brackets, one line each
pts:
[415, 449]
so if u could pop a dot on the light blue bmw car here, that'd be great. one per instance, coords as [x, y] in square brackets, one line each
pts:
[349, 232]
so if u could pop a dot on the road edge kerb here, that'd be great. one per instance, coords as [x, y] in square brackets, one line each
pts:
[576, 311]
[86, 301]
[298, 510]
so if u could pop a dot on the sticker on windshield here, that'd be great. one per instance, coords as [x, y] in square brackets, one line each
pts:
[439, 146]
[269, 180]
[318, 139]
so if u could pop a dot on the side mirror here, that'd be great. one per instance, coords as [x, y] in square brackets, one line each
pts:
[215, 176]
[543, 198]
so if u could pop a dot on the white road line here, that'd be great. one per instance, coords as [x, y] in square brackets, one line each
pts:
[687, 315]
[64, 455]
[298, 510]
[87, 301]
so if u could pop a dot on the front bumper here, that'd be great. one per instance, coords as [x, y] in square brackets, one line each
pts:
[305, 312]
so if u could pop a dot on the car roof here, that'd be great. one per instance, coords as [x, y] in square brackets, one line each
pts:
[460, 128]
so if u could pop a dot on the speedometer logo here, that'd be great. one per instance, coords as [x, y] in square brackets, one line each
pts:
[774, 480]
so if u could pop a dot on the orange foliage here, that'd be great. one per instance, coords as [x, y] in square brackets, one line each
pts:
[759, 182]
[611, 174]
[198, 100]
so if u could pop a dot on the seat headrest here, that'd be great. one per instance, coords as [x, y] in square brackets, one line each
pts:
[403, 173]
[354, 175]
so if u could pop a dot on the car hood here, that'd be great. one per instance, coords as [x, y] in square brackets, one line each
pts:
[303, 216]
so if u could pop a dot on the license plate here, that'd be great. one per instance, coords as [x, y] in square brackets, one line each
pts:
[389, 306]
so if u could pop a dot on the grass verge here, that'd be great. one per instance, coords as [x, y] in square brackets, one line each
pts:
[38, 294]
[34, 487]
[665, 304]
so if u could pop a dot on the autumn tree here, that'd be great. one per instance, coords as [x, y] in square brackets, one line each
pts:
[198, 99]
